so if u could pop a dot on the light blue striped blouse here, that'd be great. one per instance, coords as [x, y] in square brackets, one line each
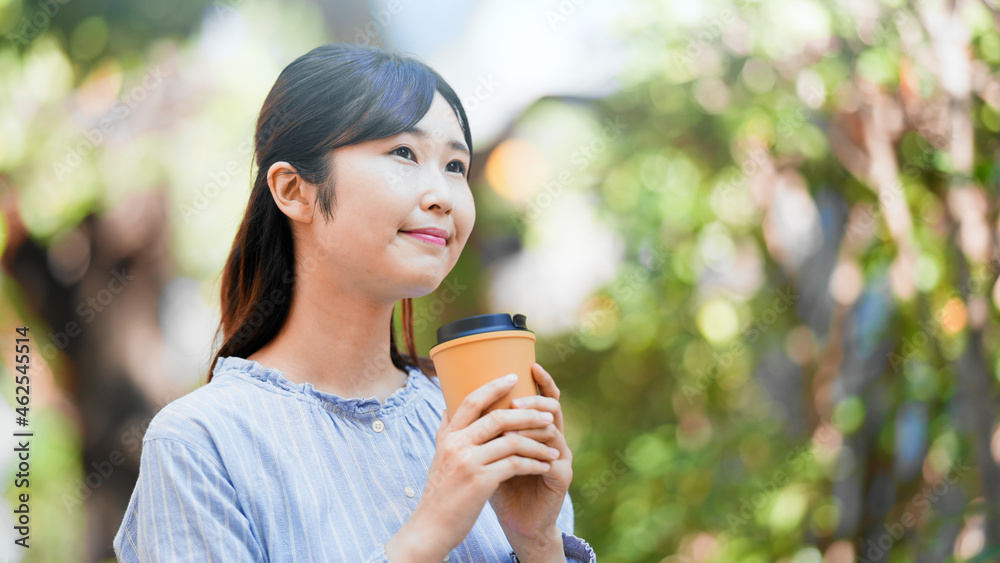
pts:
[255, 467]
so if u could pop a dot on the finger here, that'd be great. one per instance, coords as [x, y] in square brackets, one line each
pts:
[472, 406]
[550, 436]
[514, 465]
[545, 435]
[538, 402]
[542, 403]
[500, 420]
[515, 444]
[546, 384]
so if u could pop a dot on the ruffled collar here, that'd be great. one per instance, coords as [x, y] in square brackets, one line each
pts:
[399, 400]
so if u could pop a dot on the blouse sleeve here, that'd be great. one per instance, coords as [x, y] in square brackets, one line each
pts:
[577, 550]
[184, 507]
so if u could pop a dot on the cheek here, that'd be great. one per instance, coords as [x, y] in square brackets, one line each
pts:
[467, 218]
[371, 207]
[354, 233]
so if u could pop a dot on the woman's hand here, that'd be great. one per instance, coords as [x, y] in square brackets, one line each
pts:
[467, 468]
[527, 505]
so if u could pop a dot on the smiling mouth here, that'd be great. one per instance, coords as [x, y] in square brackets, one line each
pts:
[427, 238]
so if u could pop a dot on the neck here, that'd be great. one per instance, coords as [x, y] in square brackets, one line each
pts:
[340, 344]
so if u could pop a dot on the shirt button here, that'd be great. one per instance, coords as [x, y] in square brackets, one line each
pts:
[447, 557]
[378, 425]
[409, 492]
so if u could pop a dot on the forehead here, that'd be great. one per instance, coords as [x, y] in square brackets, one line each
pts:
[440, 120]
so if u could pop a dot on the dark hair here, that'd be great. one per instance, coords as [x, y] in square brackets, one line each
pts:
[335, 95]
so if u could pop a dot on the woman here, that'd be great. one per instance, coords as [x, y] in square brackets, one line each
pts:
[316, 439]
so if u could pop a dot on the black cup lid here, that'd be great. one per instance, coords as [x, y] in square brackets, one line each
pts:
[480, 323]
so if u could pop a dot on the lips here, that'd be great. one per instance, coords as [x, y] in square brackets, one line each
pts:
[430, 234]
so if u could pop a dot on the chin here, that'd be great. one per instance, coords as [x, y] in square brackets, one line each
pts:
[420, 288]
[413, 293]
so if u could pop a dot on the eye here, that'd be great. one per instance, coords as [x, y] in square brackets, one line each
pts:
[461, 166]
[407, 150]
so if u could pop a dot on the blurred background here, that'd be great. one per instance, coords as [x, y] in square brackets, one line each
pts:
[758, 241]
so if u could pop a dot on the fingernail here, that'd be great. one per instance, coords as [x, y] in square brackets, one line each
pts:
[554, 452]
[510, 378]
[547, 416]
[518, 402]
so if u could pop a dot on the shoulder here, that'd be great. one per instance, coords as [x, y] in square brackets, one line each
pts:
[194, 418]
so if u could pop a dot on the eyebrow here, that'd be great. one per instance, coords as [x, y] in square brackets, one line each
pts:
[423, 134]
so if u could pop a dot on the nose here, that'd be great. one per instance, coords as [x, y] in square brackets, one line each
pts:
[436, 192]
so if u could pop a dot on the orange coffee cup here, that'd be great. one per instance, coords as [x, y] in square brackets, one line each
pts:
[476, 350]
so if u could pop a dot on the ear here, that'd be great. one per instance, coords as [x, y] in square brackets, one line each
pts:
[293, 195]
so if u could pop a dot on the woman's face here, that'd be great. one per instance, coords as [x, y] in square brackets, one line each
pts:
[384, 187]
